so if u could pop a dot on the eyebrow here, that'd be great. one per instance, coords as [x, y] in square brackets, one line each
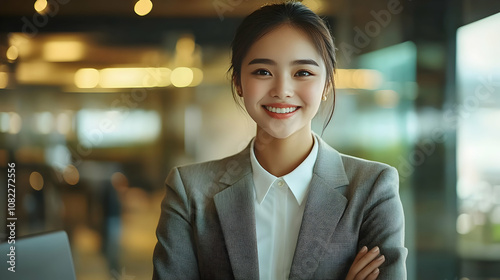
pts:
[272, 62]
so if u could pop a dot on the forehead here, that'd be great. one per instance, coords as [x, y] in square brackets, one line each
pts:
[284, 44]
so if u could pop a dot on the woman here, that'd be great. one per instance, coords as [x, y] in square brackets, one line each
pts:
[288, 206]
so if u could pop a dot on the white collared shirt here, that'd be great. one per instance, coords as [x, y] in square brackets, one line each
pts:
[279, 207]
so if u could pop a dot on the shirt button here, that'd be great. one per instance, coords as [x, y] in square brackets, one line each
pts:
[280, 183]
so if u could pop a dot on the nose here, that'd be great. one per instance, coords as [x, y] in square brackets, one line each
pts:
[282, 87]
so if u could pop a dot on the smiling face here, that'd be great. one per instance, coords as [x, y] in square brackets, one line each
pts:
[282, 82]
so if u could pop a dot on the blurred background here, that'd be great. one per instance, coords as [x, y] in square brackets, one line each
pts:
[100, 99]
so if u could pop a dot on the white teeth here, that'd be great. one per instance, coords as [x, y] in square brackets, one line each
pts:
[281, 110]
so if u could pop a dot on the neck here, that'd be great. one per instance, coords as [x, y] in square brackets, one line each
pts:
[281, 156]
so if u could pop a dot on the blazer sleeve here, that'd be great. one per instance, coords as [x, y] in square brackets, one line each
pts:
[174, 256]
[383, 225]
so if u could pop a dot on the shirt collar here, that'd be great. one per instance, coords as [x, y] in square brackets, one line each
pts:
[298, 180]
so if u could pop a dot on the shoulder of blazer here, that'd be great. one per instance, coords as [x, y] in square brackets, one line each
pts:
[352, 163]
[358, 169]
[342, 170]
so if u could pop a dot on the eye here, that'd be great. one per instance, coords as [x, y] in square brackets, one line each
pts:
[261, 72]
[303, 73]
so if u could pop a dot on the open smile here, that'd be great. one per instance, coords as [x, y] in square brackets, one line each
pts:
[280, 111]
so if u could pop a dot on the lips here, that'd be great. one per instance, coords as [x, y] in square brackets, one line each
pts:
[281, 111]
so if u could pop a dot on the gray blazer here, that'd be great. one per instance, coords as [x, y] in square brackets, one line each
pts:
[207, 224]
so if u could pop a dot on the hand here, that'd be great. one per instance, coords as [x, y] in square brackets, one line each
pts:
[366, 264]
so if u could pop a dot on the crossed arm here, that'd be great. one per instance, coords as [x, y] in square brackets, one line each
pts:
[382, 230]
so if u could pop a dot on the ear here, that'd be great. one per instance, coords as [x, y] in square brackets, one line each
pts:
[237, 86]
[328, 88]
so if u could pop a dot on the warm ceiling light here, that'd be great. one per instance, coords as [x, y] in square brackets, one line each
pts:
[358, 79]
[181, 77]
[12, 53]
[157, 77]
[63, 51]
[87, 78]
[40, 5]
[134, 77]
[121, 77]
[367, 79]
[343, 78]
[143, 7]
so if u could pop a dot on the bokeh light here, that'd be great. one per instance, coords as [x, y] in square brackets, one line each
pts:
[86, 78]
[71, 175]
[36, 180]
[143, 7]
[12, 53]
[40, 5]
[181, 77]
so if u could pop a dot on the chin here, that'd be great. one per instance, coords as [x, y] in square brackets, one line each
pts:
[279, 133]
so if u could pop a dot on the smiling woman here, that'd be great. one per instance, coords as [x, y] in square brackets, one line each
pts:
[292, 70]
[288, 206]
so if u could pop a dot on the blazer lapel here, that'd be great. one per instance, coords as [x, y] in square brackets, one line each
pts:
[324, 207]
[235, 208]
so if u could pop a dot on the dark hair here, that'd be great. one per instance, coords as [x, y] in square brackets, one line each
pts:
[269, 17]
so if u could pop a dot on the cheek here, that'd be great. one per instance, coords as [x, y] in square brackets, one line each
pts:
[251, 92]
[312, 91]
[254, 89]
